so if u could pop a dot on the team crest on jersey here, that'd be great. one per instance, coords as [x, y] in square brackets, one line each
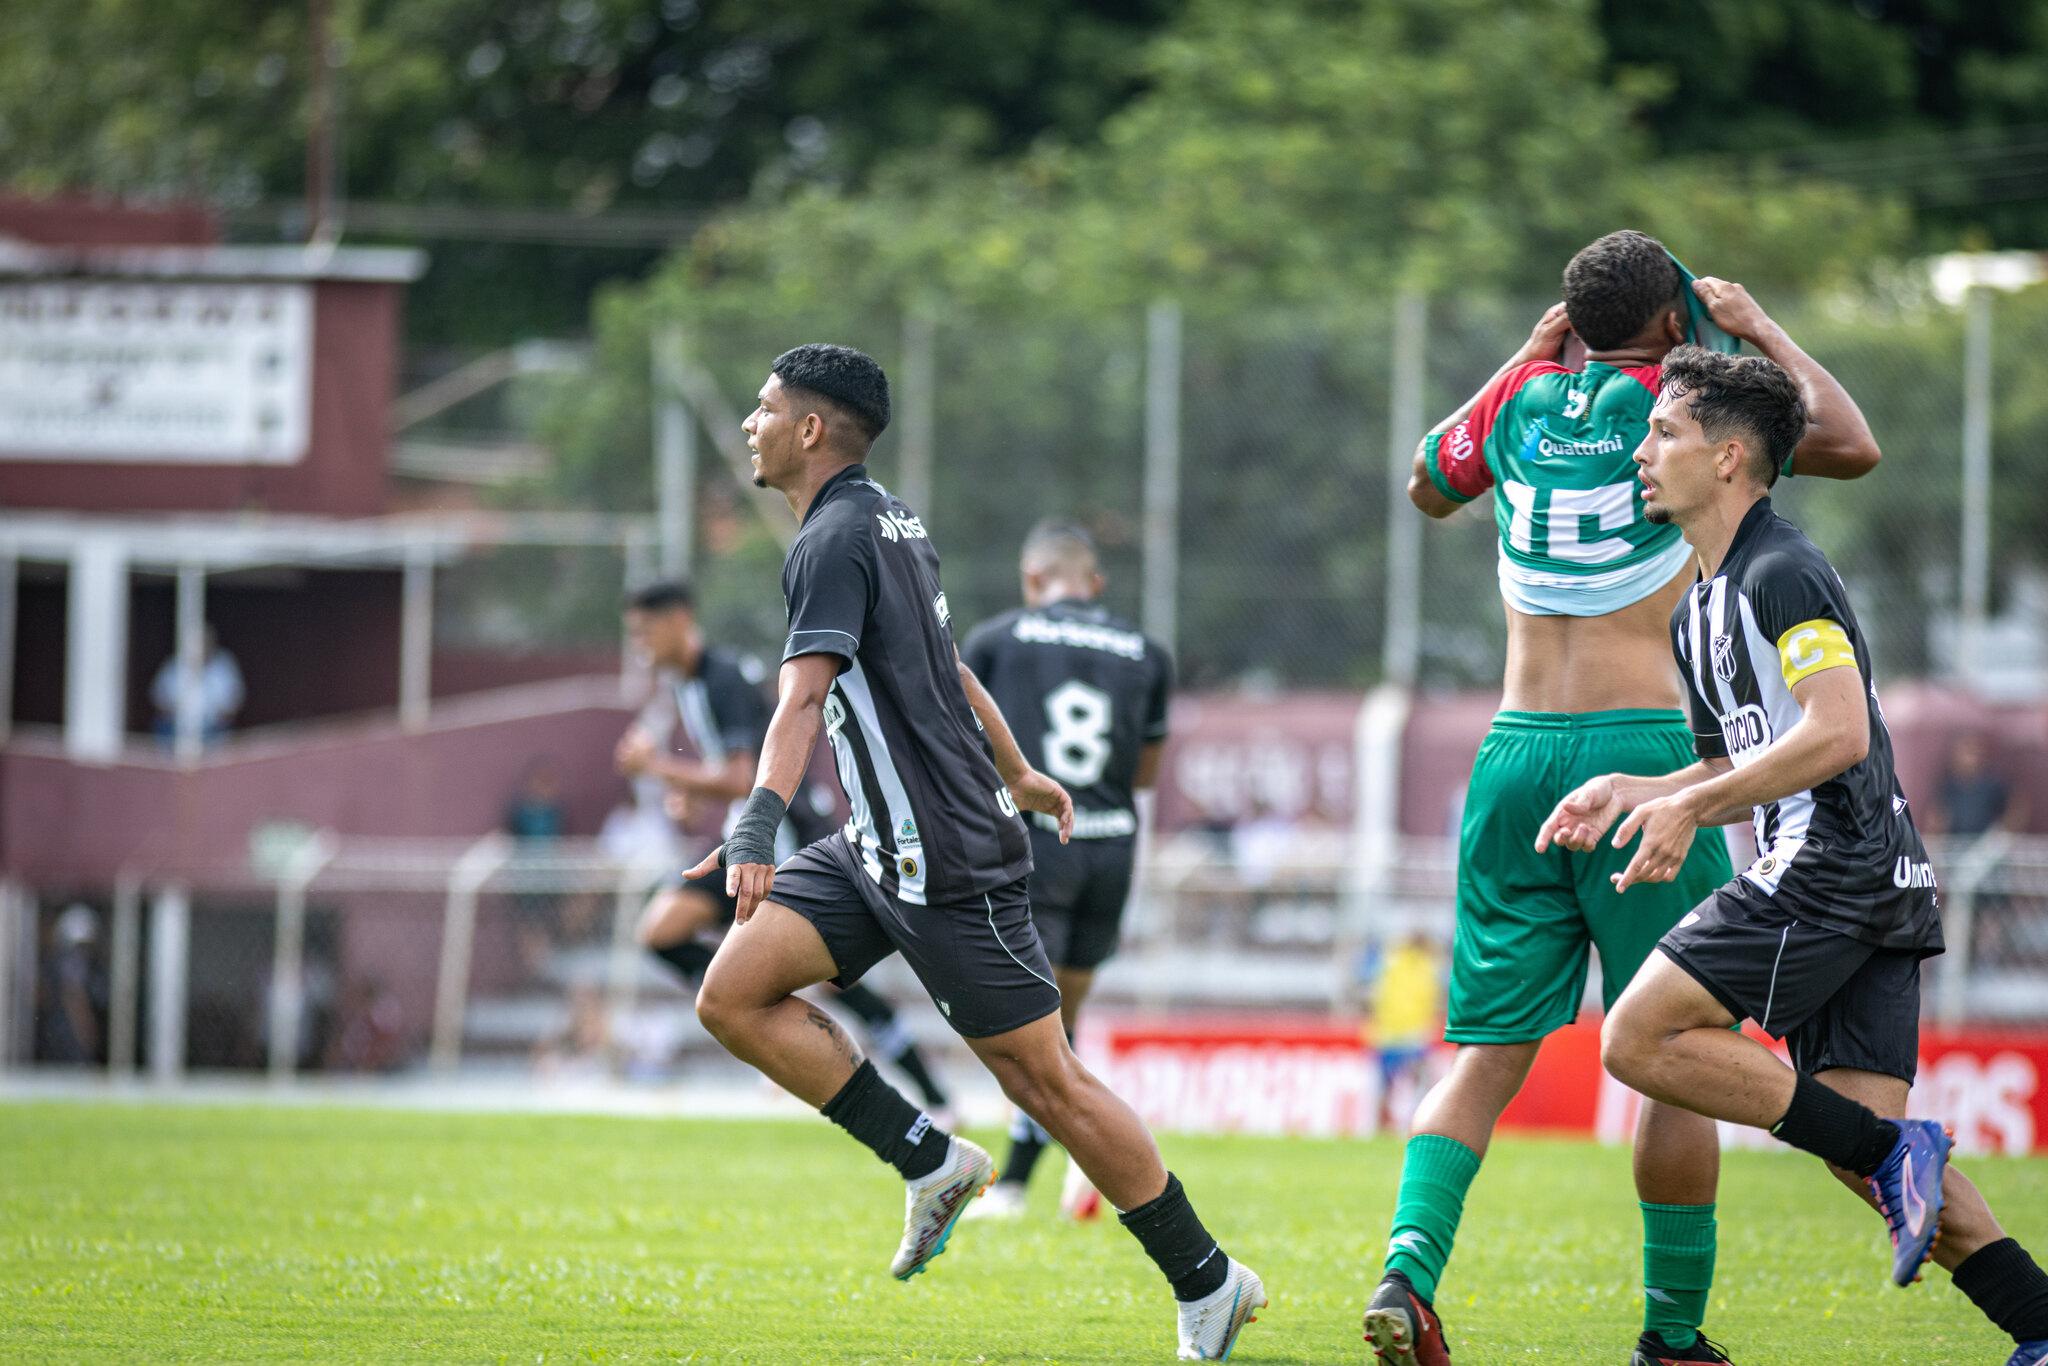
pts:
[907, 832]
[1724, 658]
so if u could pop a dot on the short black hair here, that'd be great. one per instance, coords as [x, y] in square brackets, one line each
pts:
[1615, 286]
[667, 595]
[1740, 396]
[842, 376]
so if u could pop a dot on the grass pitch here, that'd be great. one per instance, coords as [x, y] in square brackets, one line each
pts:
[144, 1233]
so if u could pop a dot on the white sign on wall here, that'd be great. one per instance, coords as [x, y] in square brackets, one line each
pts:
[159, 373]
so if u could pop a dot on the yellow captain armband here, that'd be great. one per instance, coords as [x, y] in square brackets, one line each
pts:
[1814, 647]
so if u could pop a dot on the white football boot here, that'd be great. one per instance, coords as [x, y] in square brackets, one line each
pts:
[1209, 1326]
[933, 1204]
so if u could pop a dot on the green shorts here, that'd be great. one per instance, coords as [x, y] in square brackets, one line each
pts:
[1525, 920]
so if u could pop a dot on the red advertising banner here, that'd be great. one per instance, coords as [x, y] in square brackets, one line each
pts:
[1316, 1075]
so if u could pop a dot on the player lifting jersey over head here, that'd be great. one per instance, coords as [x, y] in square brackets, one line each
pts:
[1588, 584]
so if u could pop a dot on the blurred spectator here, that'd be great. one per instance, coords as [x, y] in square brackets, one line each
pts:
[1407, 1015]
[583, 1050]
[1262, 846]
[535, 818]
[71, 1013]
[1972, 799]
[535, 812]
[367, 1036]
[211, 694]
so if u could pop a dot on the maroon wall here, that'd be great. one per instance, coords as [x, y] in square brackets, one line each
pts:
[343, 474]
[61, 821]
[82, 221]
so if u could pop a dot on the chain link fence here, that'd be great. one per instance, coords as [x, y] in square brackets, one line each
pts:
[1288, 446]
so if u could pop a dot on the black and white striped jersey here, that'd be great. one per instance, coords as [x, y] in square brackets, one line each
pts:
[722, 711]
[1845, 854]
[1084, 693]
[932, 821]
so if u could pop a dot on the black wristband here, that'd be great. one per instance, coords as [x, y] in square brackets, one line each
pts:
[753, 835]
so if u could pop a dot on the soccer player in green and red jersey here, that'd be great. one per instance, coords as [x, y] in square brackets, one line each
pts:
[1589, 585]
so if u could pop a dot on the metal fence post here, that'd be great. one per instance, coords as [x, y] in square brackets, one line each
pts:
[1975, 587]
[621, 966]
[170, 963]
[189, 701]
[1401, 643]
[288, 953]
[416, 638]
[458, 933]
[124, 986]
[1971, 870]
[1162, 470]
[11, 897]
[675, 456]
[920, 378]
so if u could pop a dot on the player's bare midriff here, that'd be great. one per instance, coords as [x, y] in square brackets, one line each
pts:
[1582, 664]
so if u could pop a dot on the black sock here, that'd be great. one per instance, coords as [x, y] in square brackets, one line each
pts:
[911, 1063]
[690, 958]
[2002, 1280]
[898, 1132]
[1173, 1237]
[893, 1041]
[1835, 1128]
[1027, 1141]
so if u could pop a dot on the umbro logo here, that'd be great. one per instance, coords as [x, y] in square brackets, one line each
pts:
[897, 526]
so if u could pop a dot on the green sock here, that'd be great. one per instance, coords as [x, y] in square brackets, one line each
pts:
[1678, 1270]
[1434, 1177]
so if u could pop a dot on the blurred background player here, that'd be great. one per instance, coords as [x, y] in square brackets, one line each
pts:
[1407, 985]
[1589, 584]
[1086, 695]
[723, 713]
[1820, 940]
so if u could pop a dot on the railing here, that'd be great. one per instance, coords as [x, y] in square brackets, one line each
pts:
[375, 955]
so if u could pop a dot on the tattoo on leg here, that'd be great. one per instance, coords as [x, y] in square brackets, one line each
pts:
[833, 1032]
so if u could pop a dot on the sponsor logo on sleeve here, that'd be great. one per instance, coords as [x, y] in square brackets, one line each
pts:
[899, 526]
[1909, 873]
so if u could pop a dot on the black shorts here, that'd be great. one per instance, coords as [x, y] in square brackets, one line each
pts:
[1835, 1001]
[980, 958]
[712, 884]
[1078, 891]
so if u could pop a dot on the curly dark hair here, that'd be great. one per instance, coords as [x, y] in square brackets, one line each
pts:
[848, 379]
[1740, 396]
[1615, 286]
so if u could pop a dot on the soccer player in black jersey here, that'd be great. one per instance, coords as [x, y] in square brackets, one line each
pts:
[720, 708]
[1820, 940]
[1086, 695]
[931, 864]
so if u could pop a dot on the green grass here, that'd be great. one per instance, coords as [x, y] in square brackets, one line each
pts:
[131, 1232]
